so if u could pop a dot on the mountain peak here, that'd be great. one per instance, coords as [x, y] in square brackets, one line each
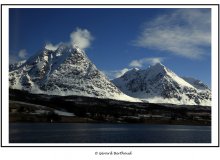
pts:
[135, 69]
[64, 71]
[158, 84]
[157, 66]
[61, 46]
[156, 69]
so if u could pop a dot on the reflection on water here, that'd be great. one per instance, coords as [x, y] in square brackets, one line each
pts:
[107, 133]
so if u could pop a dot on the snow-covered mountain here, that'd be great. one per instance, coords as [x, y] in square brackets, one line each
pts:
[158, 84]
[16, 65]
[64, 71]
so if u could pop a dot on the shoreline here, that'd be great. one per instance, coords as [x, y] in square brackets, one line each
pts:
[98, 122]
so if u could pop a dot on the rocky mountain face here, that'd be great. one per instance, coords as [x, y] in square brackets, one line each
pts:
[64, 71]
[158, 84]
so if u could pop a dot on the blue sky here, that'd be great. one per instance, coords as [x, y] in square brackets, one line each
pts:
[116, 40]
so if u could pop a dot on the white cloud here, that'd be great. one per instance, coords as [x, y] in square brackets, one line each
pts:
[52, 47]
[120, 73]
[115, 73]
[107, 73]
[82, 38]
[22, 54]
[15, 57]
[184, 32]
[135, 63]
[152, 60]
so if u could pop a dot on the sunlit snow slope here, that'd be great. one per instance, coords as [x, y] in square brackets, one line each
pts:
[64, 71]
[158, 84]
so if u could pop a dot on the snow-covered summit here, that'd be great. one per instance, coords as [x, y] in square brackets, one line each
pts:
[157, 67]
[158, 84]
[64, 71]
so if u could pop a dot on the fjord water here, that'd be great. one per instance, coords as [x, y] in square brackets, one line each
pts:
[107, 133]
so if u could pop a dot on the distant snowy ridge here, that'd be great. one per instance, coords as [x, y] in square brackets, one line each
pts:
[16, 65]
[196, 83]
[64, 71]
[158, 84]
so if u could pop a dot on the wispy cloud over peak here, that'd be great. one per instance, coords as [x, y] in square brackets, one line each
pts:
[119, 73]
[135, 63]
[50, 46]
[183, 32]
[18, 56]
[22, 53]
[115, 73]
[80, 37]
[152, 60]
